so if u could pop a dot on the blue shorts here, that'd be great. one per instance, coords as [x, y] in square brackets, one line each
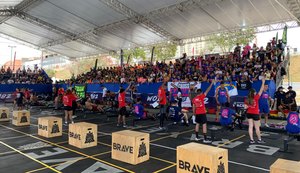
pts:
[264, 109]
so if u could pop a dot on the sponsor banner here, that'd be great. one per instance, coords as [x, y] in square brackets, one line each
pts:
[149, 99]
[6, 96]
[95, 96]
[80, 90]
[185, 88]
[237, 102]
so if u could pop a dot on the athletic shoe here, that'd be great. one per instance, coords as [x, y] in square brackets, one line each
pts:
[267, 125]
[187, 124]
[72, 122]
[197, 139]
[206, 141]
[124, 125]
[174, 123]
[66, 123]
[252, 142]
[261, 141]
[118, 125]
[160, 128]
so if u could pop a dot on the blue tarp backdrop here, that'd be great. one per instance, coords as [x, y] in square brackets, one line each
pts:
[38, 88]
[148, 88]
[147, 92]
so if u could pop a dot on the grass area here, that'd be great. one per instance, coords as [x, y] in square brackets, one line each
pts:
[295, 75]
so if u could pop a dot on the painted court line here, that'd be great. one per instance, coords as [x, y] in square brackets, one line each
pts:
[163, 169]
[68, 149]
[171, 135]
[228, 142]
[20, 152]
[75, 160]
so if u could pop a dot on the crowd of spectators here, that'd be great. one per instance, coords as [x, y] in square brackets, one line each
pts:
[23, 76]
[249, 64]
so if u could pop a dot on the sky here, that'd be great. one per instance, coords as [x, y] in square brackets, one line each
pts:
[21, 51]
[293, 38]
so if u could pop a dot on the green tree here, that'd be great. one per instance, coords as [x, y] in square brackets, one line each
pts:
[137, 53]
[165, 51]
[227, 40]
[50, 72]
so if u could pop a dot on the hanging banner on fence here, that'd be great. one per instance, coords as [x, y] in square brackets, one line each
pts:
[185, 88]
[231, 87]
[6, 96]
[80, 90]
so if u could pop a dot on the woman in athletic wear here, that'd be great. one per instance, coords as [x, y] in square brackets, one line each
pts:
[222, 97]
[122, 106]
[200, 112]
[264, 107]
[68, 99]
[20, 97]
[162, 99]
[252, 106]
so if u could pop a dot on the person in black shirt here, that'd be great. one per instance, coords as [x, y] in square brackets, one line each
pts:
[279, 96]
[19, 99]
[291, 92]
[288, 103]
[261, 54]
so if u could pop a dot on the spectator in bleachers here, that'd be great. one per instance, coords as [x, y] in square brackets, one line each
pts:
[37, 76]
[279, 97]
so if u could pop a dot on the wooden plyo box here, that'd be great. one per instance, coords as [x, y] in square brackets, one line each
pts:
[50, 127]
[4, 114]
[130, 146]
[285, 166]
[83, 135]
[21, 118]
[194, 157]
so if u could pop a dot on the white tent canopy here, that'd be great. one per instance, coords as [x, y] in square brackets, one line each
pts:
[78, 28]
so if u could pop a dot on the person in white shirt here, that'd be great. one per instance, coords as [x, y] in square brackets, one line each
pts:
[104, 93]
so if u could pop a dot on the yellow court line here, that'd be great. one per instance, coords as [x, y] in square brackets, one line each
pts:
[20, 152]
[171, 135]
[75, 160]
[141, 126]
[163, 160]
[74, 151]
[168, 167]
[104, 144]
[228, 142]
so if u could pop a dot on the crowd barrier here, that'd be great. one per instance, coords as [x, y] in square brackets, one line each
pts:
[147, 91]
[7, 90]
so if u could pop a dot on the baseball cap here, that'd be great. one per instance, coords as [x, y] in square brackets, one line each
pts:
[290, 87]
